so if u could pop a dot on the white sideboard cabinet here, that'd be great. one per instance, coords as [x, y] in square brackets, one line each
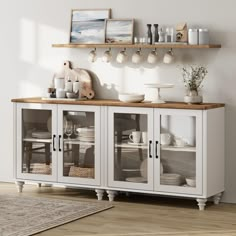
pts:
[165, 149]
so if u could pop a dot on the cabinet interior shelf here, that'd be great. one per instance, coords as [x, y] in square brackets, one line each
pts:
[76, 141]
[178, 149]
[126, 145]
[37, 140]
[148, 46]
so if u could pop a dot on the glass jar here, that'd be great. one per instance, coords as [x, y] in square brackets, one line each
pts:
[193, 36]
[203, 36]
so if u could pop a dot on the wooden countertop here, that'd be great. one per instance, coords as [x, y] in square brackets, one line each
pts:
[100, 102]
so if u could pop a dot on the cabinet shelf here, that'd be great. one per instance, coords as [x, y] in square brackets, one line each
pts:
[37, 140]
[76, 141]
[126, 145]
[147, 46]
[178, 149]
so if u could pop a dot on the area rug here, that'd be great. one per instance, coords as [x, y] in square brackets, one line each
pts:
[23, 216]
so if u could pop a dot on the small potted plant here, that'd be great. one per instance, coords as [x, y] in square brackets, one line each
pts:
[193, 77]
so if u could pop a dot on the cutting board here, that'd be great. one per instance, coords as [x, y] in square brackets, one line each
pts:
[86, 87]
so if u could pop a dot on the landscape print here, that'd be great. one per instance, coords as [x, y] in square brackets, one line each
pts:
[88, 26]
[119, 31]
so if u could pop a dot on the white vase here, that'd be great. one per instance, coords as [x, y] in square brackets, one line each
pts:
[193, 97]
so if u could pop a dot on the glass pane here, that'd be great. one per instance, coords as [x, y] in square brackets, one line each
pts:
[37, 145]
[178, 151]
[130, 147]
[79, 144]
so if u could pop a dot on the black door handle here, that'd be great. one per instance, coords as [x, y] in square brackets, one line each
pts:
[156, 150]
[53, 142]
[59, 142]
[150, 149]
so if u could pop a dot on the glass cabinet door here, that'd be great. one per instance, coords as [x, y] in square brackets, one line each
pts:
[179, 151]
[36, 142]
[130, 153]
[79, 139]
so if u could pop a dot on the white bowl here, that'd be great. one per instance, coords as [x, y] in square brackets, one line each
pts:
[131, 97]
[191, 181]
[71, 95]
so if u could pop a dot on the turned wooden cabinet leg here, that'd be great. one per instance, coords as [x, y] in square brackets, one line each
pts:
[217, 198]
[19, 185]
[111, 195]
[201, 203]
[100, 193]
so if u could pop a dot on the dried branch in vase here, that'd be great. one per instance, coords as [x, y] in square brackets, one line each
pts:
[193, 77]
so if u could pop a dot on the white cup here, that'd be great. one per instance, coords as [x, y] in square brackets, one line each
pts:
[122, 57]
[152, 57]
[92, 57]
[144, 137]
[135, 136]
[59, 83]
[137, 57]
[165, 139]
[168, 57]
[60, 93]
[107, 56]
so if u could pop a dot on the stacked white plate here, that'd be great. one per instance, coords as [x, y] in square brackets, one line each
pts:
[86, 134]
[41, 134]
[136, 179]
[171, 179]
[131, 97]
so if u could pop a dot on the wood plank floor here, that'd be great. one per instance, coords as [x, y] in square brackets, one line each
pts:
[138, 215]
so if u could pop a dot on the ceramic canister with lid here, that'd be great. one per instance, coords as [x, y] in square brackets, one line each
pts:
[203, 36]
[69, 85]
[76, 86]
[59, 83]
[193, 36]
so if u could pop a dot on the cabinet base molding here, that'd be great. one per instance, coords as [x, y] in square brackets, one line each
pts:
[99, 194]
[201, 203]
[20, 185]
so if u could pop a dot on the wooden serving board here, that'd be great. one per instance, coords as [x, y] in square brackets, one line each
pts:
[85, 80]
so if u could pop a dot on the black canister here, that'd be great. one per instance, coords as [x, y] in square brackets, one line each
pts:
[149, 34]
[156, 34]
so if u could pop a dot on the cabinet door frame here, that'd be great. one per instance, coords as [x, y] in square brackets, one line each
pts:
[19, 139]
[97, 153]
[199, 152]
[110, 158]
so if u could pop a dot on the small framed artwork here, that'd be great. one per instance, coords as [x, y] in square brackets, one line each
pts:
[88, 26]
[119, 31]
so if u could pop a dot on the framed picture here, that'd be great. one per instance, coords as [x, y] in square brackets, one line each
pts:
[119, 31]
[88, 26]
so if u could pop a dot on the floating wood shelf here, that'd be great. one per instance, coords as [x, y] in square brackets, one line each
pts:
[148, 46]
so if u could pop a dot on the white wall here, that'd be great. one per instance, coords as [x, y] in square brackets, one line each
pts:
[28, 28]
